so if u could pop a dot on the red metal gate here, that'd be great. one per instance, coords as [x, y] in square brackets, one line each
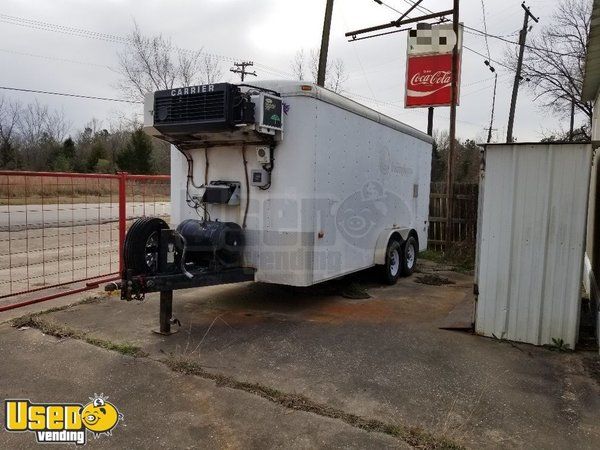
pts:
[58, 229]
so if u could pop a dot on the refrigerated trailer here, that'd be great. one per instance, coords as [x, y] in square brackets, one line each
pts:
[281, 182]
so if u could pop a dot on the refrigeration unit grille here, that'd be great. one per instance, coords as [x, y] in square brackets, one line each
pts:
[207, 107]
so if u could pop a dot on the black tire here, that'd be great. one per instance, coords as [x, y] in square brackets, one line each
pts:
[140, 250]
[390, 271]
[410, 250]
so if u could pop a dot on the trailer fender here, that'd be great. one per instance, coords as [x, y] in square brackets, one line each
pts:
[384, 238]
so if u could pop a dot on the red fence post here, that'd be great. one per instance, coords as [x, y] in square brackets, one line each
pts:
[122, 215]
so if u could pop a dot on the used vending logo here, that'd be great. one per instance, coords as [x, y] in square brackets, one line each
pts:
[64, 423]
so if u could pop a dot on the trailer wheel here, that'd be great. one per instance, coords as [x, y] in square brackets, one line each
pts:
[410, 249]
[390, 271]
[140, 250]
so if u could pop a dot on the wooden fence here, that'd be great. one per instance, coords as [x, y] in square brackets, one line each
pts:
[464, 222]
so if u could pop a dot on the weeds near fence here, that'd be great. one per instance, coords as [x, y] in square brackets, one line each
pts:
[460, 255]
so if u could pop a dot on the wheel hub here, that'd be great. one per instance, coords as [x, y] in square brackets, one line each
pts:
[410, 256]
[394, 262]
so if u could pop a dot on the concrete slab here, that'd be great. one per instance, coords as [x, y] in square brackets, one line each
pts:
[162, 409]
[382, 357]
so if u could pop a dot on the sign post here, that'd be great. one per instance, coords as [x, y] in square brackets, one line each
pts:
[433, 79]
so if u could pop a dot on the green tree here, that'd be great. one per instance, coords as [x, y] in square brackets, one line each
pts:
[68, 148]
[137, 155]
[102, 166]
[8, 156]
[62, 164]
[97, 153]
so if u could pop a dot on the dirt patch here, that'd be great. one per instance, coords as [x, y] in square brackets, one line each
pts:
[592, 366]
[433, 279]
[341, 311]
[355, 291]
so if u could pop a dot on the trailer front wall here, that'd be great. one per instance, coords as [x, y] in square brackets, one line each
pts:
[279, 225]
[531, 241]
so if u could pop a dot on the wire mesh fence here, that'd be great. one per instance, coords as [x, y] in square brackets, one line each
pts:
[60, 228]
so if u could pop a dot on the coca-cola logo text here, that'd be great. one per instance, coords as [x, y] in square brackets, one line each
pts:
[440, 77]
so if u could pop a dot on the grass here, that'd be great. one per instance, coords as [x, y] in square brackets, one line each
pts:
[51, 328]
[460, 256]
[414, 436]
[20, 190]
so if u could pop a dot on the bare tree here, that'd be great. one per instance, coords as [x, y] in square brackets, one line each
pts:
[211, 71]
[39, 130]
[153, 63]
[554, 61]
[298, 65]
[9, 119]
[335, 77]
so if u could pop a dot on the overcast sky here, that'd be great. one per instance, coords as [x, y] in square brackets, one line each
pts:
[269, 32]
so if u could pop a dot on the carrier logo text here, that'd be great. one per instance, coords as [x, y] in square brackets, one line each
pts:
[193, 90]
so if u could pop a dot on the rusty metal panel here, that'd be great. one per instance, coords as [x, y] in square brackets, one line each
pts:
[531, 241]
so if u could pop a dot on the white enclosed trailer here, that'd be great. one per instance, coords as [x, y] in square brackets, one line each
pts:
[320, 186]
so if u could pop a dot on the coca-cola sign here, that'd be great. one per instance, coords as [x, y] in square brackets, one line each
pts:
[429, 81]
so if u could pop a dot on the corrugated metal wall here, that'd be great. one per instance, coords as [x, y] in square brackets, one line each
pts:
[531, 241]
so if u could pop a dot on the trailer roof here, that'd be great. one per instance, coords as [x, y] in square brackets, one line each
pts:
[289, 88]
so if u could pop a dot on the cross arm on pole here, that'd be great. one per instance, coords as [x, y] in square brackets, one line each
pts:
[399, 23]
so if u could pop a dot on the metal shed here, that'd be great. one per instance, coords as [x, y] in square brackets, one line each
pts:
[531, 241]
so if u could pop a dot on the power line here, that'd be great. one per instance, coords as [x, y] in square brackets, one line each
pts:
[46, 26]
[401, 108]
[419, 7]
[483, 33]
[379, 2]
[487, 45]
[90, 34]
[532, 47]
[55, 58]
[65, 94]
[490, 59]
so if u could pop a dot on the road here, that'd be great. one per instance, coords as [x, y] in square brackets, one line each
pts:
[32, 217]
[60, 243]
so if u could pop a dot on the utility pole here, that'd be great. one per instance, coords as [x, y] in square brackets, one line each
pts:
[241, 69]
[324, 44]
[493, 107]
[430, 121]
[452, 148]
[513, 100]
[572, 119]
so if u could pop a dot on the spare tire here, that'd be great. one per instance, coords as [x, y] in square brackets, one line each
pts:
[140, 250]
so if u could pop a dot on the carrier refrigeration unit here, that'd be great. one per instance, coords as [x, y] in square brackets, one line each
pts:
[280, 182]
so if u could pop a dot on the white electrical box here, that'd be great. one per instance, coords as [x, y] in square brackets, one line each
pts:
[263, 155]
[260, 178]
